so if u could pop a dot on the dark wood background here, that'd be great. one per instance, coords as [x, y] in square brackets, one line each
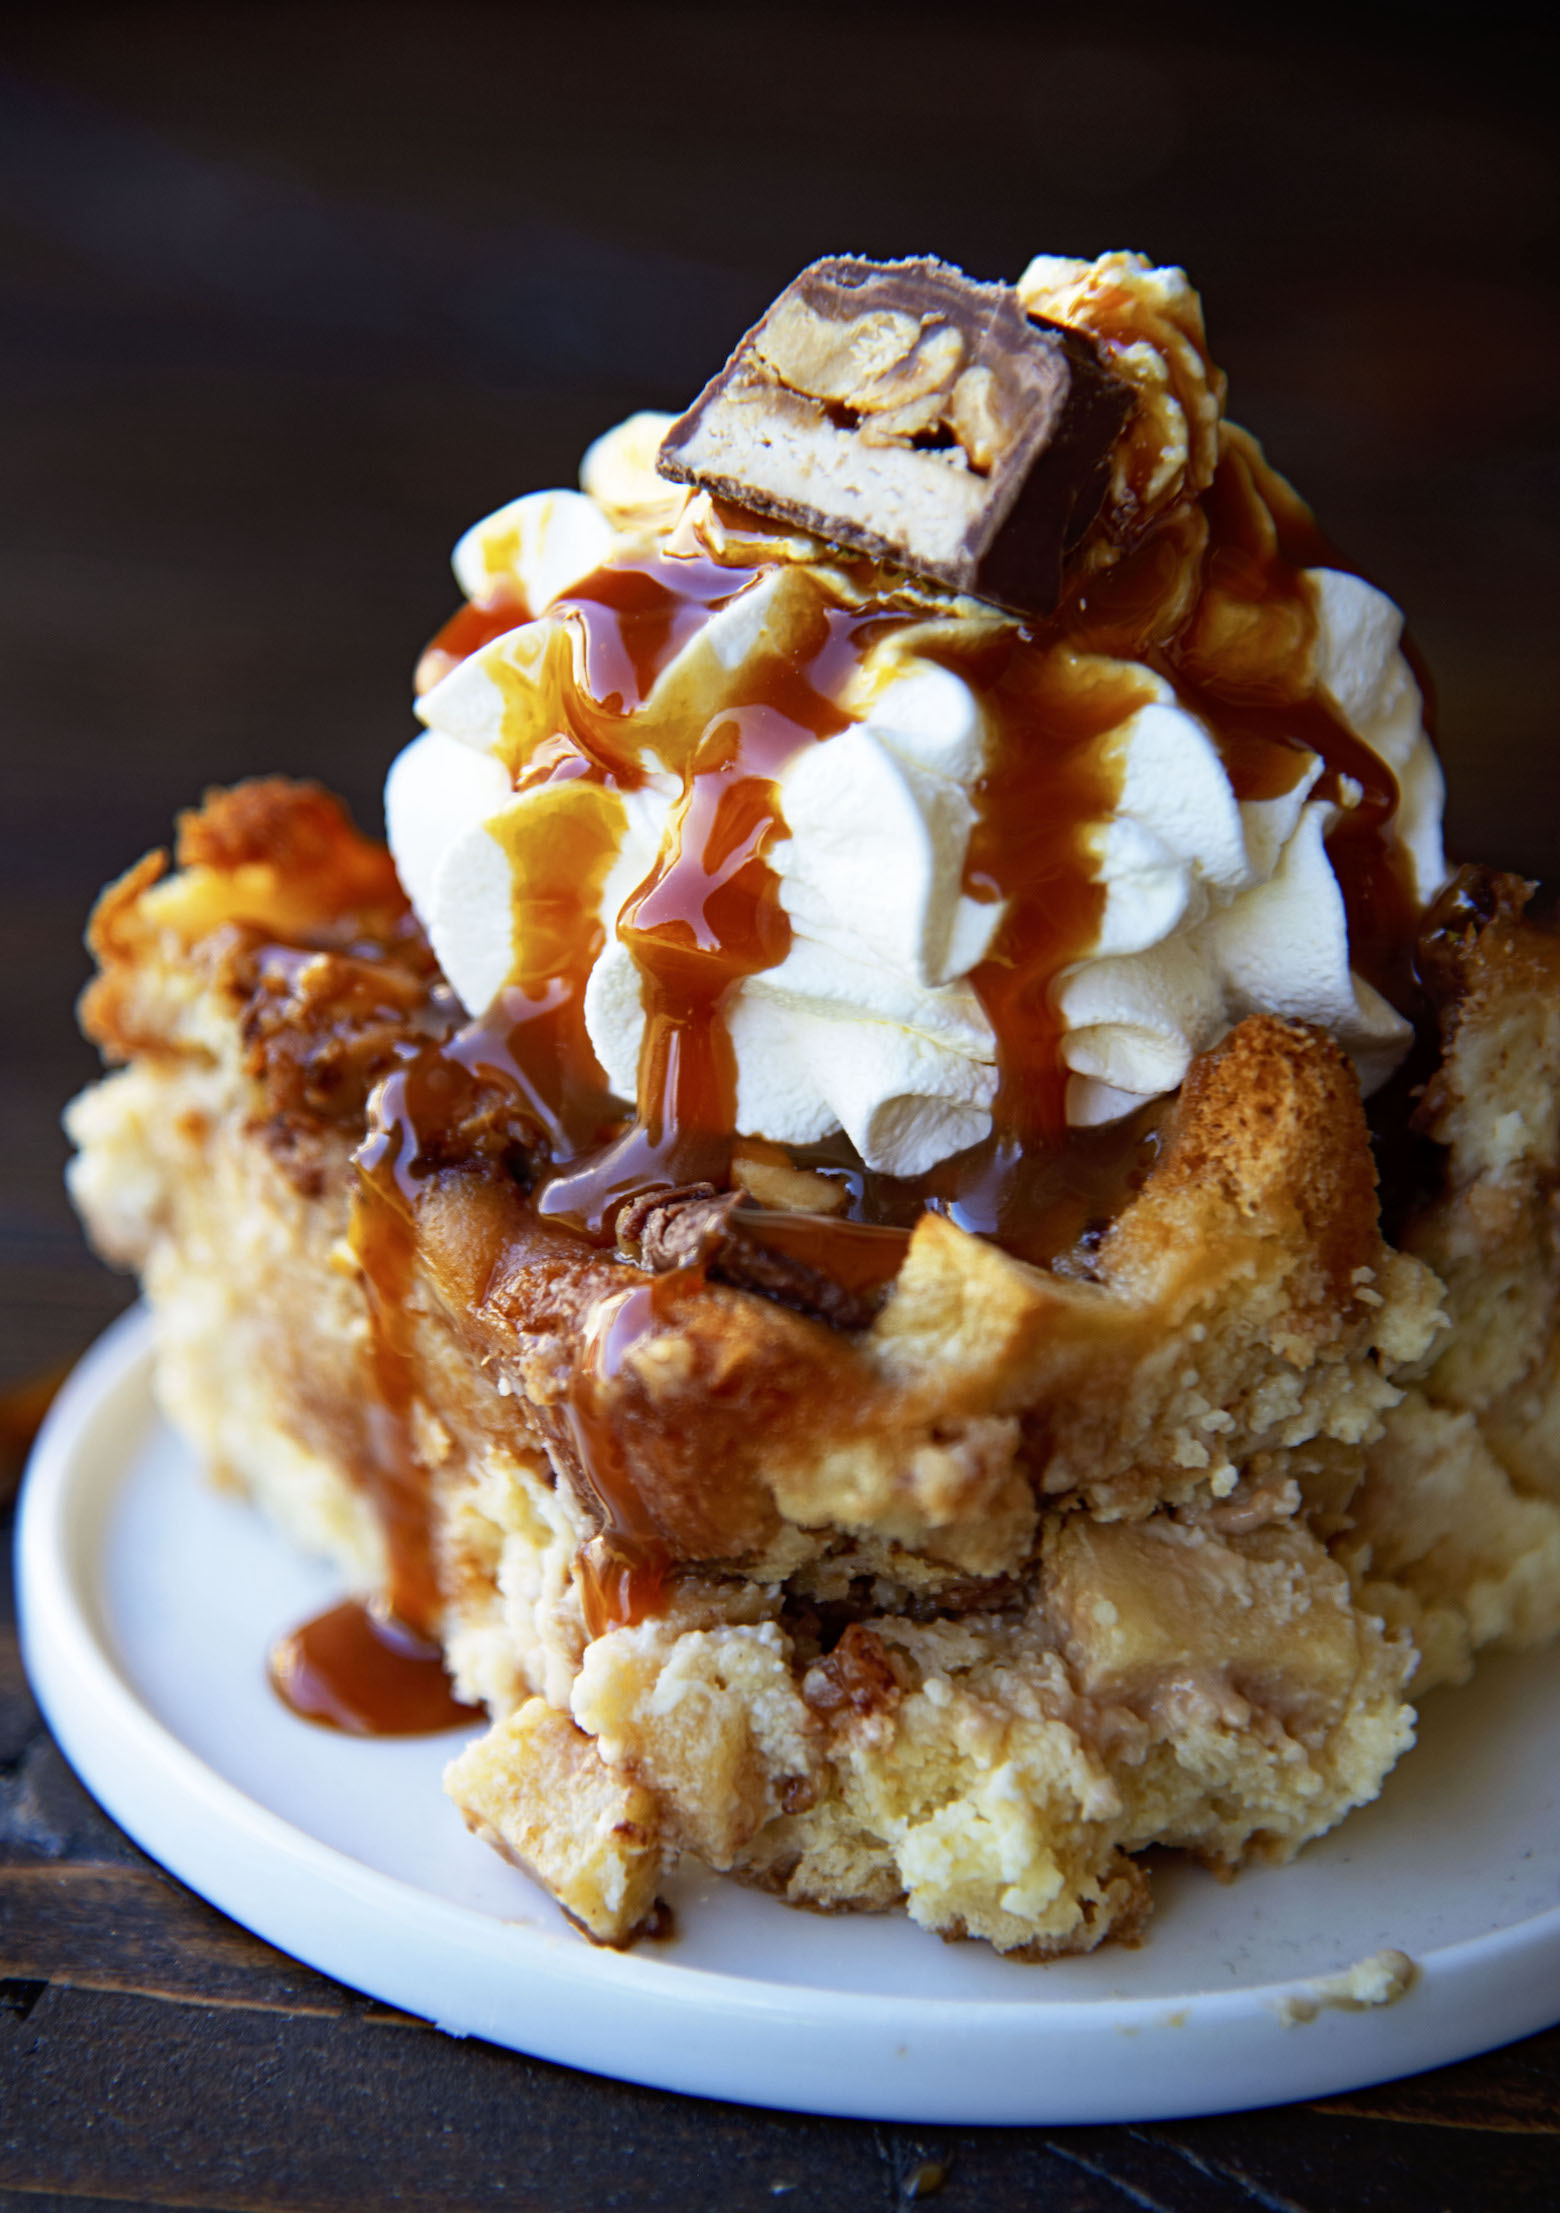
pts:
[289, 295]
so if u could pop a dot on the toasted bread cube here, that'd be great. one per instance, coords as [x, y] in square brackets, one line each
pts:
[537, 1790]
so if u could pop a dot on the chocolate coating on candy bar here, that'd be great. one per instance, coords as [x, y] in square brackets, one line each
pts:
[700, 1227]
[906, 411]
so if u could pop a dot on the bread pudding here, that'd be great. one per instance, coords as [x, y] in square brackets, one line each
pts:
[916, 1225]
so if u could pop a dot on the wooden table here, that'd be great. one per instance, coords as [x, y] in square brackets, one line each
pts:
[290, 296]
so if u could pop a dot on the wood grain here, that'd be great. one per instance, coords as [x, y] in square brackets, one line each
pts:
[291, 295]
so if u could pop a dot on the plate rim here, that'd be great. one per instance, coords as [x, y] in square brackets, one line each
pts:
[919, 2058]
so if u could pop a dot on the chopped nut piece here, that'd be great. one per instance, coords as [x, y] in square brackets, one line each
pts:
[767, 1175]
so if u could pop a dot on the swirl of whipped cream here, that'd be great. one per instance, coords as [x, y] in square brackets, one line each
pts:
[873, 1021]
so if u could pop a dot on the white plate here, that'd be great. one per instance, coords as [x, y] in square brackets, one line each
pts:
[148, 1602]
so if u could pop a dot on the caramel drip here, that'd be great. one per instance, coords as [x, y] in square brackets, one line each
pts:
[500, 1090]
[1050, 1205]
[1052, 777]
[537, 1047]
[384, 1246]
[470, 628]
[709, 913]
[623, 1570]
[637, 616]
[1213, 600]
[356, 1670]
[1260, 700]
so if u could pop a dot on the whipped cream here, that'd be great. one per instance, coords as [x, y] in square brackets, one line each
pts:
[1216, 909]
[873, 1022]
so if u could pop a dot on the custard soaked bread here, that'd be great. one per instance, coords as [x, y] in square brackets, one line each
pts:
[817, 1232]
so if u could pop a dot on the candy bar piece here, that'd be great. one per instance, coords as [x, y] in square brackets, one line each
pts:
[901, 409]
[699, 1226]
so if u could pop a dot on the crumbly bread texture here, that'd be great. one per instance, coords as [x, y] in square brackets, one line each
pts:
[969, 1606]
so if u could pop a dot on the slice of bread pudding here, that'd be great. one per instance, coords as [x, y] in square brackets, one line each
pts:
[951, 1588]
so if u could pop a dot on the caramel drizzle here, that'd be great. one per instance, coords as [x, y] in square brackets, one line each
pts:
[623, 1570]
[1267, 712]
[384, 1245]
[1054, 694]
[708, 914]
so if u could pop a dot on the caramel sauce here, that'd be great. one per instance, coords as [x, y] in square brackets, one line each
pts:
[709, 912]
[1052, 777]
[1211, 600]
[384, 1245]
[469, 629]
[1050, 1204]
[1265, 712]
[497, 1090]
[622, 1571]
[361, 1671]
[637, 617]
